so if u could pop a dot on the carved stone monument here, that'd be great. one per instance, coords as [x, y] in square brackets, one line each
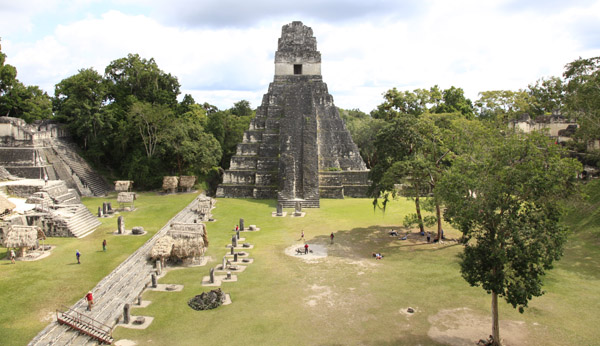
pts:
[158, 267]
[212, 275]
[298, 208]
[297, 147]
[279, 209]
[241, 224]
[120, 225]
[126, 314]
[154, 284]
[234, 241]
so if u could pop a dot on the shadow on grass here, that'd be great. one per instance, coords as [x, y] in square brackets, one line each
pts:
[362, 242]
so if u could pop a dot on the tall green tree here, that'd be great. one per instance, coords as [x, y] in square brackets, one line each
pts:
[582, 99]
[152, 122]
[454, 100]
[8, 76]
[78, 102]
[504, 105]
[141, 79]
[504, 196]
[363, 128]
[17, 100]
[242, 109]
[548, 94]
[397, 103]
[189, 149]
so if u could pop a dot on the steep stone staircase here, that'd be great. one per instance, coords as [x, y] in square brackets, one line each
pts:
[87, 178]
[81, 222]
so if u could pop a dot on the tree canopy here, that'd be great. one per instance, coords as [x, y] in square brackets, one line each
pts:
[18, 100]
[504, 196]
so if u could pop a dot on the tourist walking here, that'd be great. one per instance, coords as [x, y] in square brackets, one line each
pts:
[331, 236]
[306, 249]
[104, 245]
[428, 236]
[77, 254]
[302, 235]
[12, 256]
[90, 300]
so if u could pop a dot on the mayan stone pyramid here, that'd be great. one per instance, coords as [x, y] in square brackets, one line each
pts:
[297, 147]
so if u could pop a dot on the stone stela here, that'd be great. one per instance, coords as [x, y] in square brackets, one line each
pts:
[297, 148]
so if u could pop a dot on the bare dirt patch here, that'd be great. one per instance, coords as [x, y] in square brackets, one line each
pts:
[463, 326]
[322, 296]
[318, 252]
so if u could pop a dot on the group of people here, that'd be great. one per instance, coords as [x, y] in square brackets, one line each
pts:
[78, 254]
[331, 236]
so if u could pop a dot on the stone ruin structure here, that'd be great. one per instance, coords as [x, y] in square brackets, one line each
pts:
[297, 147]
[123, 185]
[203, 206]
[184, 242]
[170, 184]
[186, 182]
[558, 127]
[58, 211]
[43, 150]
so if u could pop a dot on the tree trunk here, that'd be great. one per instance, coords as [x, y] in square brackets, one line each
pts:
[438, 215]
[419, 217]
[495, 323]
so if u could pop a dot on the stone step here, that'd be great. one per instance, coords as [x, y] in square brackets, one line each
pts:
[307, 203]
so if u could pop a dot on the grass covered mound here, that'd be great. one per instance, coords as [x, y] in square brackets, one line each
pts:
[207, 300]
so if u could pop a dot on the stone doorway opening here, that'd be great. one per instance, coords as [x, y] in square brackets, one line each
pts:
[298, 69]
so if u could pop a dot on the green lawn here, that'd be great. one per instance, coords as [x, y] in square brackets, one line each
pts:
[31, 291]
[348, 298]
[351, 299]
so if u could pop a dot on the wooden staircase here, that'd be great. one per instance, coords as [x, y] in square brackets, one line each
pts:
[85, 324]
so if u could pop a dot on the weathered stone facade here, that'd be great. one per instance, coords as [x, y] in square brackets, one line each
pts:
[43, 150]
[297, 147]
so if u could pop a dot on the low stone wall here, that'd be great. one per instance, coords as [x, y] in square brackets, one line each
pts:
[23, 191]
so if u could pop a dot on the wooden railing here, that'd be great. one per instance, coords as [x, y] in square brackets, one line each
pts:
[85, 324]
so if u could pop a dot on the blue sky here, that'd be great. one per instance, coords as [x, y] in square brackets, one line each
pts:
[222, 51]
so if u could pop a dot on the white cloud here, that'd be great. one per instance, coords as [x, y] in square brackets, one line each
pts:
[470, 44]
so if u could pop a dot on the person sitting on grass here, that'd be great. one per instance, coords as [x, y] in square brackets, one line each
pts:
[377, 255]
[393, 233]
